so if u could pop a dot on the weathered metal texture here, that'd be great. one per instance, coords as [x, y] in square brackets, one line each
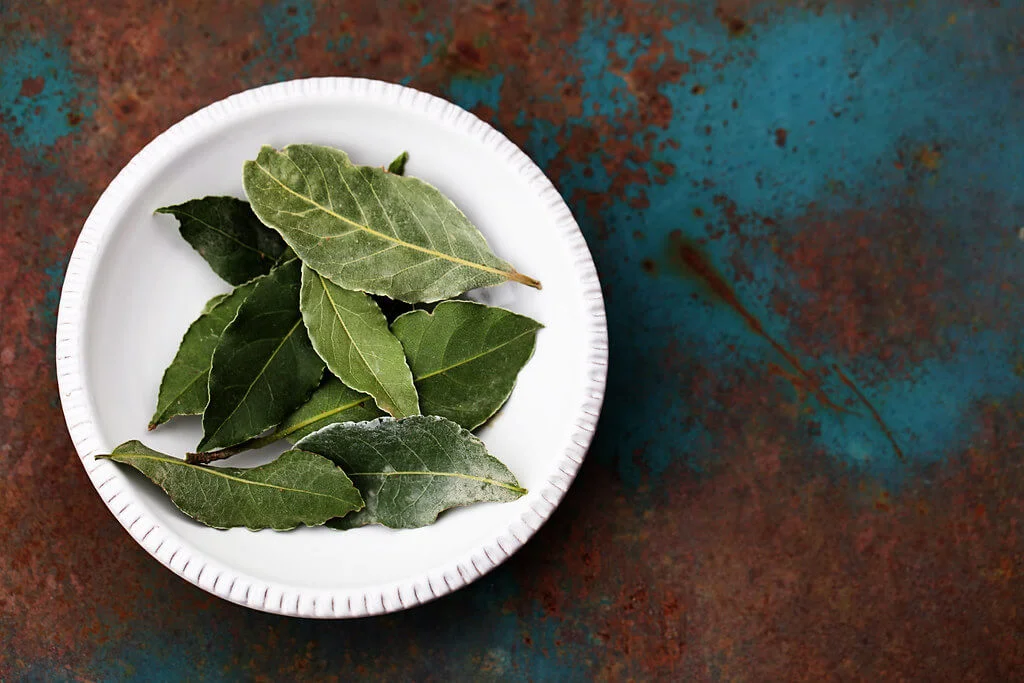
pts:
[807, 219]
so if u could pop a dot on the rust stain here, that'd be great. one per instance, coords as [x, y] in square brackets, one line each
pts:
[872, 282]
[666, 170]
[464, 55]
[736, 26]
[687, 257]
[929, 158]
[871, 409]
[486, 36]
[781, 134]
[30, 87]
[127, 106]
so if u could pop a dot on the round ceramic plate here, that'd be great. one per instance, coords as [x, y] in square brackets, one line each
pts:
[133, 286]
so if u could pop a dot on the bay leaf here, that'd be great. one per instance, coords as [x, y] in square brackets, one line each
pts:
[465, 357]
[226, 233]
[297, 488]
[184, 390]
[351, 334]
[369, 230]
[331, 402]
[398, 165]
[264, 366]
[409, 471]
[214, 300]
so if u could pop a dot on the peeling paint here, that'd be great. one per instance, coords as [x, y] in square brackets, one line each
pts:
[42, 98]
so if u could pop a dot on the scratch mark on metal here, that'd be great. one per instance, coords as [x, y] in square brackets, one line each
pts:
[686, 255]
[871, 409]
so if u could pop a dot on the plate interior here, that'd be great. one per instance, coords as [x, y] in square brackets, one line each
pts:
[148, 285]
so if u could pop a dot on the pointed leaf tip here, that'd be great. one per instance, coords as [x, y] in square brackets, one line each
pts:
[184, 386]
[228, 235]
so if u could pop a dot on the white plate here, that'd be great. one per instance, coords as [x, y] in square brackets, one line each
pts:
[133, 286]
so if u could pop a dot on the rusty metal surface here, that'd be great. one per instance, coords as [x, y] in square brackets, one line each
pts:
[807, 220]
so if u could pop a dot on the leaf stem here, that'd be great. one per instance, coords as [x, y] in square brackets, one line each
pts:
[261, 441]
[221, 454]
[516, 276]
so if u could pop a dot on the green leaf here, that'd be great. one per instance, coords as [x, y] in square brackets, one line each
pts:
[465, 357]
[183, 390]
[286, 256]
[214, 300]
[332, 402]
[369, 230]
[226, 233]
[398, 165]
[351, 334]
[297, 488]
[264, 366]
[409, 471]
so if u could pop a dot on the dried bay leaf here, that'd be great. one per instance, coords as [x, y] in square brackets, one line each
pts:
[409, 471]
[331, 402]
[367, 229]
[183, 390]
[465, 357]
[226, 233]
[214, 300]
[297, 488]
[264, 366]
[351, 334]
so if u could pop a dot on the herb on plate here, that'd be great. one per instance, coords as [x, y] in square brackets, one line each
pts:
[301, 350]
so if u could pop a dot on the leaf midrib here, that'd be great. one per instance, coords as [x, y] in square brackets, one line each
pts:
[395, 240]
[172, 401]
[218, 230]
[459, 475]
[321, 416]
[341, 321]
[255, 379]
[214, 471]
[473, 358]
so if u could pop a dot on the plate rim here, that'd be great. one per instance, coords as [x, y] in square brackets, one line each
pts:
[173, 551]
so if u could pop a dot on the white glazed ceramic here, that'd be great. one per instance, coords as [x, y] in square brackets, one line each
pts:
[133, 286]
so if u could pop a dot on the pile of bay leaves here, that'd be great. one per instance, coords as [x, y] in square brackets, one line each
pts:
[379, 414]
